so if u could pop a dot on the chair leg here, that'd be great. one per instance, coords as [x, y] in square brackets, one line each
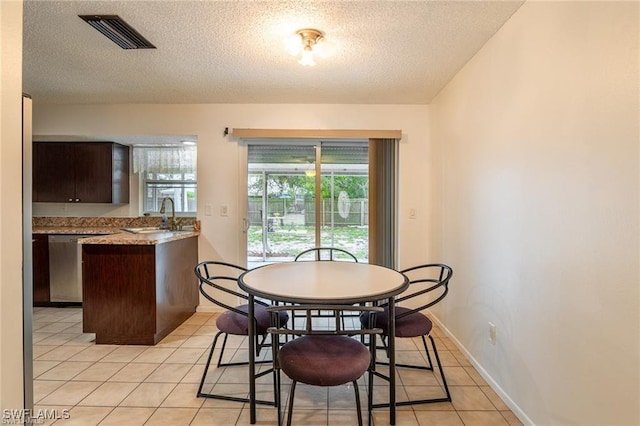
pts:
[431, 367]
[290, 412]
[373, 340]
[206, 367]
[444, 381]
[277, 394]
[277, 379]
[426, 351]
[277, 397]
[415, 367]
[383, 340]
[224, 345]
[259, 347]
[220, 364]
[261, 344]
[370, 398]
[358, 405]
[447, 398]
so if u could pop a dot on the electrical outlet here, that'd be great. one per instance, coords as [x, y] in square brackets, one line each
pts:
[207, 209]
[412, 213]
[224, 210]
[492, 333]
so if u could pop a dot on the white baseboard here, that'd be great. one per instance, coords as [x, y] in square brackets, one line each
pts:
[490, 381]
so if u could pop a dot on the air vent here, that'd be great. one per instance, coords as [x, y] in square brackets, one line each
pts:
[118, 31]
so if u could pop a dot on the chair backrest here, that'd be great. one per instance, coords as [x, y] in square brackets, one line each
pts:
[430, 281]
[308, 323]
[218, 279]
[326, 253]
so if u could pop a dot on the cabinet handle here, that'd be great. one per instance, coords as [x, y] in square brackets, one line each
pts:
[70, 199]
[77, 200]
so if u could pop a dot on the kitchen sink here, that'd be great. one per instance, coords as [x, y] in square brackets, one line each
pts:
[146, 230]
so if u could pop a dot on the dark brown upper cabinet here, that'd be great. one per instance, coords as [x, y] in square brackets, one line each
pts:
[80, 172]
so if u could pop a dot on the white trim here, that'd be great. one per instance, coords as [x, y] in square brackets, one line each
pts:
[490, 381]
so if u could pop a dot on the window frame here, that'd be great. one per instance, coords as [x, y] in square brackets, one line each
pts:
[151, 184]
[177, 184]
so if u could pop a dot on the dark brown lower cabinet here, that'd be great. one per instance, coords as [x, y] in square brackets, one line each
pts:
[41, 293]
[137, 294]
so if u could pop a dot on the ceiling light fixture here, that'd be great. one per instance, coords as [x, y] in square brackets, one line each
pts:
[305, 41]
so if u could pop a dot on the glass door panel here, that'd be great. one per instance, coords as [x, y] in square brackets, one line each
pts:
[285, 215]
[281, 212]
[345, 194]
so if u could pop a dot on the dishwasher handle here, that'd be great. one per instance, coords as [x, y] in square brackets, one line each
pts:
[61, 239]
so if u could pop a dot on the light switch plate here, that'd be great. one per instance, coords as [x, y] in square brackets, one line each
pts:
[492, 333]
[224, 210]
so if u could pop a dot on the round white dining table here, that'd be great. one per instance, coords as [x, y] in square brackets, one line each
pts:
[323, 282]
[318, 282]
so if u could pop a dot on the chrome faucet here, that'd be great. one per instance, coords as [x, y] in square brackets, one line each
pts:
[172, 225]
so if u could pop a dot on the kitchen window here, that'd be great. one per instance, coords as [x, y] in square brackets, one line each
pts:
[166, 171]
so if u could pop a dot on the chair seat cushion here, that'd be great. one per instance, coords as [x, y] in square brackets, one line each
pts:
[233, 323]
[413, 325]
[324, 360]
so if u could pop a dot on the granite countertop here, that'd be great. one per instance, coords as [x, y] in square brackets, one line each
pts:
[117, 236]
[108, 230]
[77, 230]
[127, 238]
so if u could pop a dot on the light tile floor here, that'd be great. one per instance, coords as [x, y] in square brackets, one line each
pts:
[156, 385]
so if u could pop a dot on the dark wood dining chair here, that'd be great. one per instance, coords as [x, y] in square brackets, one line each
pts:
[428, 285]
[218, 281]
[322, 353]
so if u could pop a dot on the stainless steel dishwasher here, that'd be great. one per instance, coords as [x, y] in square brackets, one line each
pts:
[65, 268]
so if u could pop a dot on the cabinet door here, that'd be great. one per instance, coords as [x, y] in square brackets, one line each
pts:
[120, 174]
[80, 172]
[94, 174]
[53, 172]
[41, 292]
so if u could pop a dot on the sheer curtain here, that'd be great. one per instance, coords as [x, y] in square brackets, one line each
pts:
[164, 159]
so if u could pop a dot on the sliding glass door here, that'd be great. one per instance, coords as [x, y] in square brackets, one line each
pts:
[344, 201]
[306, 195]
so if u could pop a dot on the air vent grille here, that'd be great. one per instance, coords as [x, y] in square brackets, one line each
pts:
[118, 31]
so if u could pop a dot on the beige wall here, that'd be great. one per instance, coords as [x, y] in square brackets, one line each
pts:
[538, 141]
[11, 384]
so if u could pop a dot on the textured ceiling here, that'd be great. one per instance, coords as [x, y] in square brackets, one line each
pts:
[384, 52]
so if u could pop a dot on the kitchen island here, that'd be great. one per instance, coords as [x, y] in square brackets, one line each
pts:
[137, 288]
